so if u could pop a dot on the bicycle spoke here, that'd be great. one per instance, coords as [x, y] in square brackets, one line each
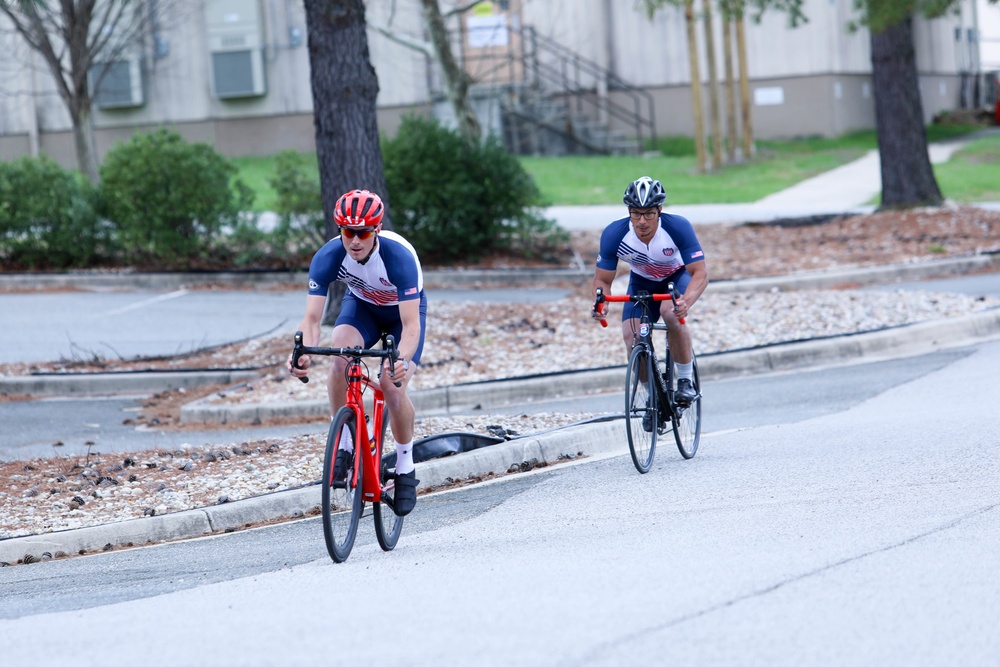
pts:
[388, 525]
[687, 423]
[641, 410]
[342, 501]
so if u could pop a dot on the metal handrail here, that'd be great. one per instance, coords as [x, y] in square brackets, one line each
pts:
[556, 72]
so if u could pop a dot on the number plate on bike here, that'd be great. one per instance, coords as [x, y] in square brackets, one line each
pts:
[643, 329]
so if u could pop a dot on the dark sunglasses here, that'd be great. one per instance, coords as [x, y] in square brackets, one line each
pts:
[362, 234]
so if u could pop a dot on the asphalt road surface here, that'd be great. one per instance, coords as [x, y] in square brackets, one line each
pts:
[110, 325]
[862, 534]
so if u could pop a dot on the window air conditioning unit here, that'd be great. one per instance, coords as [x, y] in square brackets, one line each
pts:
[121, 86]
[236, 48]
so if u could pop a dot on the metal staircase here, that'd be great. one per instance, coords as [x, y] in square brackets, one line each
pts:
[544, 99]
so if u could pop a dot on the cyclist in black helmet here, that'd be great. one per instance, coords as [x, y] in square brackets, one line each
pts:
[659, 248]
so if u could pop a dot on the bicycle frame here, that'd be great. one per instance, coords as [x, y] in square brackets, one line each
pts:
[650, 417]
[357, 381]
[645, 334]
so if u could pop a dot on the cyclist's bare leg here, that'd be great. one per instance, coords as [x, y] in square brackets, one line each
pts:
[630, 331]
[401, 412]
[344, 335]
[678, 336]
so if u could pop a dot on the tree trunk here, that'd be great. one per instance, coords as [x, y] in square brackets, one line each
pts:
[907, 176]
[86, 145]
[696, 108]
[455, 78]
[713, 87]
[741, 46]
[344, 88]
[732, 133]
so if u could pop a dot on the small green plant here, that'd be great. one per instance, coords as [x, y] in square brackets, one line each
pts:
[47, 217]
[453, 200]
[937, 249]
[299, 202]
[169, 198]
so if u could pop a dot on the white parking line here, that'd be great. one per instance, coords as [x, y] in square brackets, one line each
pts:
[144, 303]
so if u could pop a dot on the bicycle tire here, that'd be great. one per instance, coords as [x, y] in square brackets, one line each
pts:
[641, 408]
[342, 501]
[686, 421]
[388, 525]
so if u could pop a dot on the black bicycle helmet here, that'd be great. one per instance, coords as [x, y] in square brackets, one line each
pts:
[644, 192]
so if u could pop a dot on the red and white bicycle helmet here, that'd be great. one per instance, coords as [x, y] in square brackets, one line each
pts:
[358, 208]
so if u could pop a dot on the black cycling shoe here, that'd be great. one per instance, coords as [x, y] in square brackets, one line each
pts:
[405, 495]
[685, 394]
[343, 463]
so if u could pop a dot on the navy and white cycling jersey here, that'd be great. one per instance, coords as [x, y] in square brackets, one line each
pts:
[673, 245]
[392, 273]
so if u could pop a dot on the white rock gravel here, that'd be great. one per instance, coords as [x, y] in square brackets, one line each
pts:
[464, 346]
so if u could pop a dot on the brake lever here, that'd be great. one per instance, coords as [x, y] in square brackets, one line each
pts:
[296, 353]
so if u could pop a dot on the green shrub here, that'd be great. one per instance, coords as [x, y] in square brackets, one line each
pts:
[47, 216]
[299, 202]
[456, 201]
[170, 198]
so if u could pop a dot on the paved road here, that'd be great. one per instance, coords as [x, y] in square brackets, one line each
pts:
[84, 325]
[866, 535]
[984, 285]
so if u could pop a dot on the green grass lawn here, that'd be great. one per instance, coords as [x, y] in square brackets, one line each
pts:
[973, 174]
[256, 172]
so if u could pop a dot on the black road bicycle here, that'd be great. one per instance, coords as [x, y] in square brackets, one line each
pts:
[650, 385]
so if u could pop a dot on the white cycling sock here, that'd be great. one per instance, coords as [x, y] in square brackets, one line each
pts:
[685, 371]
[404, 458]
[346, 441]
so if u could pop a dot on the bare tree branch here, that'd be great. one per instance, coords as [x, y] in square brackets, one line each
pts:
[461, 9]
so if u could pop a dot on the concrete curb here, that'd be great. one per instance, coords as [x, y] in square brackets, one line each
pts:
[900, 341]
[876, 275]
[502, 277]
[546, 448]
[174, 280]
[117, 383]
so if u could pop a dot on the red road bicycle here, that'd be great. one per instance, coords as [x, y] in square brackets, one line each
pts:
[368, 478]
[650, 405]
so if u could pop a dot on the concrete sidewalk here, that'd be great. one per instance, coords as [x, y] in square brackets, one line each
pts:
[847, 189]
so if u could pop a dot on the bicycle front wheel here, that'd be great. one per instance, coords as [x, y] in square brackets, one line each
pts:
[342, 500]
[388, 525]
[641, 410]
[687, 421]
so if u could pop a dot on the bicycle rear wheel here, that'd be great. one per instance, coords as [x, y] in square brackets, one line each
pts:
[342, 500]
[641, 409]
[388, 525]
[687, 421]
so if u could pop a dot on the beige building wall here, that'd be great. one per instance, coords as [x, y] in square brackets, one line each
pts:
[811, 80]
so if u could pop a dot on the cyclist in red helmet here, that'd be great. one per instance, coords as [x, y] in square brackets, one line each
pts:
[385, 293]
[659, 248]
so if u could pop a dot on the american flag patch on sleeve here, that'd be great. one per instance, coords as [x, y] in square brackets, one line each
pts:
[411, 290]
[697, 253]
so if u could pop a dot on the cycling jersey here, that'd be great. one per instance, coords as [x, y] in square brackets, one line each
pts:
[672, 247]
[391, 274]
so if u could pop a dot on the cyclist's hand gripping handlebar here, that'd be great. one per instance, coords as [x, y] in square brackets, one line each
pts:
[390, 346]
[600, 307]
[296, 353]
[674, 295]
